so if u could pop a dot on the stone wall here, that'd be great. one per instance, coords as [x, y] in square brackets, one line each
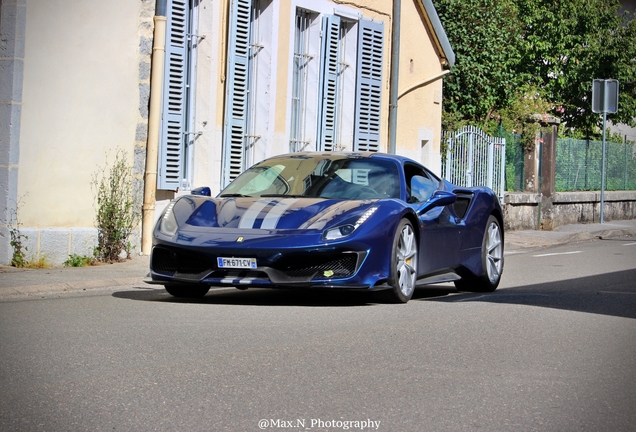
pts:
[534, 211]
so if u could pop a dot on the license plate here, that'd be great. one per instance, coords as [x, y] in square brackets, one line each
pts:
[237, 263]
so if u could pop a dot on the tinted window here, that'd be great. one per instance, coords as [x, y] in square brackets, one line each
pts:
[420, 184]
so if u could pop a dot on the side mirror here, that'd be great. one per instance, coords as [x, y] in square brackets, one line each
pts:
[438, 199]
[205, 191]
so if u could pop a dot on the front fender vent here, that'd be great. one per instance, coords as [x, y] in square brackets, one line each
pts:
[460, 207]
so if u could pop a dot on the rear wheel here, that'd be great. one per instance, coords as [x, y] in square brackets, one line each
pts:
[403, 263]
[492, 261]
[187, 291]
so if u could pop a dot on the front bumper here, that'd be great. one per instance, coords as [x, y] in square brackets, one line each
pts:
[322, 267]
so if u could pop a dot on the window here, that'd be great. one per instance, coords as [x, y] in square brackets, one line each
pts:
[248, 77]
[329, 87]
[304, 80]
[368, 86]
[345, 110]
[260, 79]
[420, 184]
[175, 134]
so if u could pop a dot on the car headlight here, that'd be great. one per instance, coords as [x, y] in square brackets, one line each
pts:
[345, 230]
[168, 224]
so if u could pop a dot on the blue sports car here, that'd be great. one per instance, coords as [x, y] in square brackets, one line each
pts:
[366, 221]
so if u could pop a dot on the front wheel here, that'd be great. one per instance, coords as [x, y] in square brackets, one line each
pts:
[187, 291]
[403, 263]
[492, 261]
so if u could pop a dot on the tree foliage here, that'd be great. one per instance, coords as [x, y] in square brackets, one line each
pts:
[486, 39]
[557, 48]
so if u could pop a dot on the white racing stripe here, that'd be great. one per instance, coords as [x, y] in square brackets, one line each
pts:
[274, 215]
[271, 218]
[250, 215]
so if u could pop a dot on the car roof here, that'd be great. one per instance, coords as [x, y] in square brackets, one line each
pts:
[339, 154]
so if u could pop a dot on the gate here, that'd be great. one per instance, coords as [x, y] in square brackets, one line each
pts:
[473, 158]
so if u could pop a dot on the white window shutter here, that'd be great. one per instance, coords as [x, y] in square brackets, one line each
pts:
[368, 86]
[236, 91]
[171, 144]
[329, 70]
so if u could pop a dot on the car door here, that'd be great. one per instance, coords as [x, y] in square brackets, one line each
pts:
[439, 233]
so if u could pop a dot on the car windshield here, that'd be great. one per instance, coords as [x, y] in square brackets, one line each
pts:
[318, 176]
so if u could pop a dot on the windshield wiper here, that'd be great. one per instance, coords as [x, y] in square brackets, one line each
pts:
[284, 196]
[234, 195]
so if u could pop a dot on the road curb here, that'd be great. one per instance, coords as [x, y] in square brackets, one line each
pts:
[87, 285]
[535, 239]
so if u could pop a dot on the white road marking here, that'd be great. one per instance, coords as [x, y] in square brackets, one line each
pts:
[629, 244]
[558, 253]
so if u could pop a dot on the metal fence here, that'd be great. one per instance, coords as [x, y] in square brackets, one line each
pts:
[514, 162]
[579, 165]
[473, 158]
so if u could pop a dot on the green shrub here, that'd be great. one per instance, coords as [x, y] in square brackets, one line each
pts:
[117, 215]
[75, 260]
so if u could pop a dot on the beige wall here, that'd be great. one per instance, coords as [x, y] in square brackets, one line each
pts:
[80, 100]
[420, 110]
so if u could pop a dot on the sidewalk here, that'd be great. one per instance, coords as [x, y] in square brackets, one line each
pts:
[30, 282]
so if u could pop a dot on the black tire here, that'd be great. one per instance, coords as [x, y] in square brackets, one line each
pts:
[492, 261]
[404, 255]
[187, 291]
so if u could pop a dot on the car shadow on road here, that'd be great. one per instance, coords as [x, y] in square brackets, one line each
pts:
[611, 294]
[281, 297]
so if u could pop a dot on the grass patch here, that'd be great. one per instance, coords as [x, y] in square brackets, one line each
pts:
[75, 260]
[40, 263]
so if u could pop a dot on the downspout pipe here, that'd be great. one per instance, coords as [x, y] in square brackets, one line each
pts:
[395, 70]
[154, 125]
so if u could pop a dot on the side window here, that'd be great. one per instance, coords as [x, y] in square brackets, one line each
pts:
[420, 185]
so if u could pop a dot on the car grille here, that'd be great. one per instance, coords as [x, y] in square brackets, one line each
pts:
[344, 265]
[169, 262]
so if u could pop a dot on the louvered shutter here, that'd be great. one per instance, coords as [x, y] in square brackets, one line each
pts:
[329, 67]
[236, 90]
[171, 144]
[368, 86]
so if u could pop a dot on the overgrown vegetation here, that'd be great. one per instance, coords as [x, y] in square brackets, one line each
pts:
[19, 250]
[19, 258]
[75, 260]
[516, 58]
[116, 215]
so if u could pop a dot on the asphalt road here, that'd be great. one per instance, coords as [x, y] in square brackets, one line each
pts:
[552, 350]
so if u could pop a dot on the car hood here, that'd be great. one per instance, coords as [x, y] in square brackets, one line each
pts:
[265, 213]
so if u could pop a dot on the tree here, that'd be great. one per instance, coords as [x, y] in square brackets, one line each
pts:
[486, 38]
[556, 48]
[567, 44]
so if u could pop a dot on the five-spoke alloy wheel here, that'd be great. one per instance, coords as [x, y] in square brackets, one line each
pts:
[403, 263]
[492, 260]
